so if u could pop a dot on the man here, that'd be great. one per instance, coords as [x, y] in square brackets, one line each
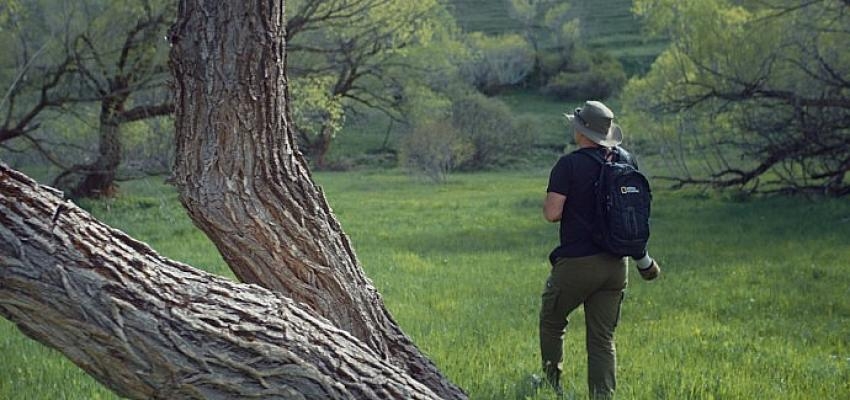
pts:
[582, 273]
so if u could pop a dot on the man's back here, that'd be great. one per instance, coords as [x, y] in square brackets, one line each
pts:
[574, 176]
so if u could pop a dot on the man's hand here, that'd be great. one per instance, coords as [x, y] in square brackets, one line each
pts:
[651, 272]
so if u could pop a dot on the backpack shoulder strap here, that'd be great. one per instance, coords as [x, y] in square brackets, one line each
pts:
[593, 153]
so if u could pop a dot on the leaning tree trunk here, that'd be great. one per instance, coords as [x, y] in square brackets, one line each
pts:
[151, 328]
[248, 188]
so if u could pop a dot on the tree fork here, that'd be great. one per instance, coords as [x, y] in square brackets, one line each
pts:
[151, 328]
[248, 188]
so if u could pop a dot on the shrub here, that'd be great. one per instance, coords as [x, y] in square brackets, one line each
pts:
[488, 125]
[497, 61]
[600, 78]
[551, 64]
[433, 150]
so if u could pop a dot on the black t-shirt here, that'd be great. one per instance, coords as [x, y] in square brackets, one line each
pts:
[573, 176]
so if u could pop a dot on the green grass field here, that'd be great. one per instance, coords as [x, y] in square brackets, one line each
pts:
[754, 301]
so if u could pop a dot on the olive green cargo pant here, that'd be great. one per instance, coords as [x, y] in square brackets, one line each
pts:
[598, 282]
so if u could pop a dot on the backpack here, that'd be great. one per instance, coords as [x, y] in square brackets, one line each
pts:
[623, 202]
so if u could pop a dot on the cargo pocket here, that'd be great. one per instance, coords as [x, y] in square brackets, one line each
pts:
[620, 307]
[549, 299]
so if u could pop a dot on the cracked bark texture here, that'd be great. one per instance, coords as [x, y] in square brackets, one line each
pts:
[151, 328]
[248, 188]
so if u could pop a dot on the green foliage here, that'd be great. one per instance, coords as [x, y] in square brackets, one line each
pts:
[560, 63]
[551, 30]
[604, 25]
[548, 25]
[148, 146]
[317, 110]
[468, 132]
[461, 267]
[345, 62]
[488, 124]
[563, 26]
[72, 66]
[601, 77]
[757, 85]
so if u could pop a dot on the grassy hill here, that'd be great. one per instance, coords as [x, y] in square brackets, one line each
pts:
[606, 24]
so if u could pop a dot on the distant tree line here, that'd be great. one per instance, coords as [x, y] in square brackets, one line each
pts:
[86, 89]
[749, 94]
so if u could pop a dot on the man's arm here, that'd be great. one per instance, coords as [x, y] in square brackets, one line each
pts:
[553, 207]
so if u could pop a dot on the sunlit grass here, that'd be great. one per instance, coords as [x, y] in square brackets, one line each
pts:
[753, 302]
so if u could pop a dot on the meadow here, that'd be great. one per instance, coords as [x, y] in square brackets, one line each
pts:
[753, 301]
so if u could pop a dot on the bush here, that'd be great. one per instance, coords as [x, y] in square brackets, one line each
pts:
[497, 61]
[434, 150]
[600, 78]
[488, 125]
[551, 64]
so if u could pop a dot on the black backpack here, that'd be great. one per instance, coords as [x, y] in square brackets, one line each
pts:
[623, 202]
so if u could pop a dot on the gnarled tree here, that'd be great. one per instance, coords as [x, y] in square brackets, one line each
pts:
[751, 94]
[149, 327]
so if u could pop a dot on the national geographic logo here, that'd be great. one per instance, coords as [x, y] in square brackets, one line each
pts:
[629, 189]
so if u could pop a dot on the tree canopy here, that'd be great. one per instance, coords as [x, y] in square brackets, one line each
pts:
[752, 94]
[350, 55]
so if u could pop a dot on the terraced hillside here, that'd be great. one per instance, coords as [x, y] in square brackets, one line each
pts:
[606, 24]
[488, 16]
[610, 24]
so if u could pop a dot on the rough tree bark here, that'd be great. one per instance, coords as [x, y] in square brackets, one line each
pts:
[151, 328]
[248, 188]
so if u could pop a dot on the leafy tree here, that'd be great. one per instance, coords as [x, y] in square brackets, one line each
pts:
[588, 75]
[752, 94]
[120, 58]
[551, 30]
[487, 124]
[346, 55]
[101, 52]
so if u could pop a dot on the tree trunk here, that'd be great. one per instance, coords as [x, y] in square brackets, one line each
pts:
[151, 328]
[247, 187]
[99, 177]
[321, 147]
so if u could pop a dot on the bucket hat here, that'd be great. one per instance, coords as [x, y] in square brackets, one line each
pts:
[596, 122]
